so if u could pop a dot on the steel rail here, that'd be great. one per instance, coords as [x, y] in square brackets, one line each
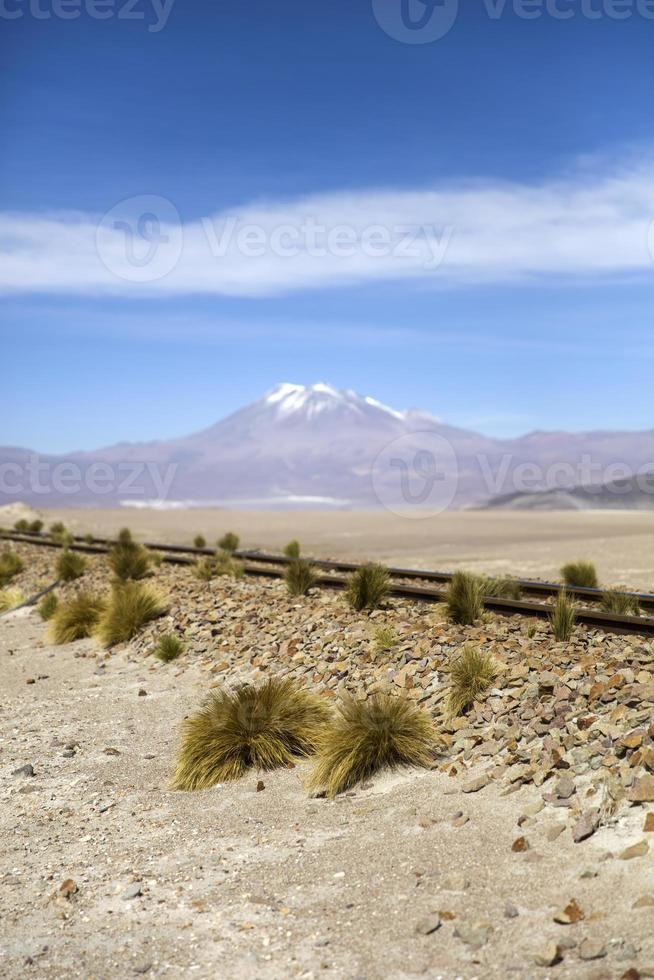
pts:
[180, 555]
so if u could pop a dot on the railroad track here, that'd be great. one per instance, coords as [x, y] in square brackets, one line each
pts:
[262, 564]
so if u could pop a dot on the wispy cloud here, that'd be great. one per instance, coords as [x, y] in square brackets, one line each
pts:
[590, 225]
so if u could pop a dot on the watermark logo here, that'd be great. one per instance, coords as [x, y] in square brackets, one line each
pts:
[140, 239]
[416, 475]
[416, 21]
[153, 12]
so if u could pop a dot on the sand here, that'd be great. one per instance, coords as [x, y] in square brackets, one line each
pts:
[524, 544]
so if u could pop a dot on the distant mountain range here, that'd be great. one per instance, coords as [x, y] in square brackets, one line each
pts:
[302, 446]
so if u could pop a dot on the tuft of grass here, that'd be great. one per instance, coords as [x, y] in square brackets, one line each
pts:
[76, 618]
[199, 541]
[384, 639]
[205, 569]
[262, 727]
[501, 588]
[367, 587]
[580, 573]
[10, 598]
[621, 603]
[464, 599]
[70, 565]
[57, 529]
[124, 536]
[563, 617]
[131, 607]
[129, 561]
[89, 539]
[36, 527]
[22, 526]
[300, 576]
[229, 542]
[383, 732]
[221, 564]
[11, 565]
[472, 673]
[47, 606]
[531, 631]
[292, 549]
[168, 648]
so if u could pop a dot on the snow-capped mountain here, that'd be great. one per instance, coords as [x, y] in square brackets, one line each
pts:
[317, 445]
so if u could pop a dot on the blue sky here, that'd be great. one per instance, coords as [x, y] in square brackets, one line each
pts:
[525, 144]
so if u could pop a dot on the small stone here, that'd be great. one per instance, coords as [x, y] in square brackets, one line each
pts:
[110, 751]
[520, 844]
[67, 888]
[648, 826]
[634, 851]
[510, 911]
[565, 787]
[585, 826]
[592, 949]
[132, 891]
[644, 902]
[260, 786]
[474, 785]
[549, 955]
[475, 936]
[641, 790]
[142, 692]
[569, 915]
[26, 770]
[68, 753]
[461, 820]
[429, 924]
[554, 831]
[30, 680]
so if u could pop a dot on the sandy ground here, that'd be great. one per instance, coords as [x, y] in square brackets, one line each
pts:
[536, 544]
[235, 883]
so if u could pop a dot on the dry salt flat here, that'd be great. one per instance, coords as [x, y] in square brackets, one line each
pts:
[524, 852]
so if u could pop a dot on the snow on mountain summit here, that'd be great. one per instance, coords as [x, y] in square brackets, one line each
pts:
[310, 401]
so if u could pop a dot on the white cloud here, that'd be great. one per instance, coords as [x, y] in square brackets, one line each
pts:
[590, 225]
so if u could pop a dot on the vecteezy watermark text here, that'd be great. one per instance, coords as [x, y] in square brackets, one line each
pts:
[127, 479]
[153, 12]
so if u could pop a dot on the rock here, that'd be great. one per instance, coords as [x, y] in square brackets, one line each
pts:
[641, 790]
[585, 826]
[425, 927]
[68, 753]
[67, 888]
[520, 844]
[644, 902]
[554, 831]
[634, 851]
[475, 936]
[592, 949]
[260, 786]
[648, 826]
[510, 911]
[549, 955]
[571, 914]
[132, 891]
[460, 820]
[565, 787]
[474, 785]
[110, 751]
[26, 770]
[142, 692]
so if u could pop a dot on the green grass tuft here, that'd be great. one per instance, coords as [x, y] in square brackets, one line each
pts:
[22, 526]
[366, 736]
[464, 600]
[292, 549]
[472, 673]
[57, 528]
[384, 639]
[367, 587]
[620, 603]
[300, 576]
[563, 617]
[169, 647]
[35, 527]
[199, 541]
[261, 727]
[229, 542]
[221, 564]
[581, 574]
[47, 606]
[500, 588]
[70, 565]
[124, 536]
[131, 607]
[11, 565]
[76, 618]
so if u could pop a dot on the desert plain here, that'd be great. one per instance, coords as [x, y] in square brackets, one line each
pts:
[523, 852]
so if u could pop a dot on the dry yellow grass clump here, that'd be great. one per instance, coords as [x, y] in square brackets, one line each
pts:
[300, 576]
[366, 736]
[10, 598]
[261, 727]
[367, 587]
[70, 565]
[76, 618]
[464, 600]
[472, 673]
[132, 606]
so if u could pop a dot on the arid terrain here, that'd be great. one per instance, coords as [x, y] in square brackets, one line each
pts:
[620, 543]
[524, 851]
